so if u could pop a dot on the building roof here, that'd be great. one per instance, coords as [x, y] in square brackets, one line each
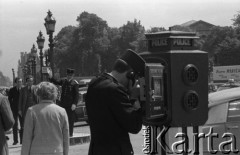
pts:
[188, 23]
[194, 22]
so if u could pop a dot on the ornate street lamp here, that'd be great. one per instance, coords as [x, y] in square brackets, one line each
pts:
[50, 27]
[40, 42]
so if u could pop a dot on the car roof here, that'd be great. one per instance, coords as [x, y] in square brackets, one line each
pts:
[223, 96]
[85, 80]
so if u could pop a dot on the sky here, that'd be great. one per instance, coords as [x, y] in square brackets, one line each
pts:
[21, 20]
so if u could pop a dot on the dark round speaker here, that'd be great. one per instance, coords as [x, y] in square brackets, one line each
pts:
[191, 100]
[190, 74]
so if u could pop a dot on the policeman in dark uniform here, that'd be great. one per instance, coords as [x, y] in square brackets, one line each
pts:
[69, 95]
[113, 107]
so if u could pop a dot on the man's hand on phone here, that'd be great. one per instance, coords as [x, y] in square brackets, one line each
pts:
[136, 105]
[134, 90]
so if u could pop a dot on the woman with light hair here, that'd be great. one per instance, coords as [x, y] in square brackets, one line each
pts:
[46, 128]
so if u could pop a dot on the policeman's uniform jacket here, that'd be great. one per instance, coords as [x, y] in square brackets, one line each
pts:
[111, 117]
[69, 94]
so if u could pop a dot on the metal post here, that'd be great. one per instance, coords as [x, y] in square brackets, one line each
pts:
[51, 45]
[34, 70]
[196, 139]
[13, 77]
[186, 147]
[41, 64]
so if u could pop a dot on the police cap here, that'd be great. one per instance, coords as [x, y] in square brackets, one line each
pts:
[136, 62]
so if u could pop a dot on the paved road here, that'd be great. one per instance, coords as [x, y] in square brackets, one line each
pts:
[137, 142]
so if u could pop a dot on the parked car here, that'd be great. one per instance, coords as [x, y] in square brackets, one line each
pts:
[223, 120]
[227, 86]
[84, 82]
[81, 112]
[230, 84]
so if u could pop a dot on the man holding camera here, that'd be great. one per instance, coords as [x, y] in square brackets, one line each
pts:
[113, 107]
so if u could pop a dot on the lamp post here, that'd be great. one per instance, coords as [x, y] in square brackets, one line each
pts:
[46, 57]
[29, 66]
[33, 61]
[50, 27]
[40, 42]
[25, 72]
[13, 77]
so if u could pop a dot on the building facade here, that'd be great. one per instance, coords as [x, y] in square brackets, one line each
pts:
[27, 66]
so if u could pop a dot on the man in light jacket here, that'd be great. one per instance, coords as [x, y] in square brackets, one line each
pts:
[6, 123]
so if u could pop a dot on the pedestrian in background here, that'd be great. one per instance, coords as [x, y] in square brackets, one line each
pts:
[13, 98]
[69, 95]
[46, 128]
[6, 123]
[27, 99]
[113, 107]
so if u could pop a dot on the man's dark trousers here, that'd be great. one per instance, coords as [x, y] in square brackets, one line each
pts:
[15, 128]
[71, 119]
[21, 128]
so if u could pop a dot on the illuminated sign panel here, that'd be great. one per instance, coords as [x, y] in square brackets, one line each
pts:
[163, 42]
[181, 42]
[159, 42]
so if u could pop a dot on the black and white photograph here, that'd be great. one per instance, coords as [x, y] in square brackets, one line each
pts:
[119, 77]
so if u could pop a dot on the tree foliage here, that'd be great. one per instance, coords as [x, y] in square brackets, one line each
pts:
[92, 46]
[222, 42]
[63, 44]
[236, 20]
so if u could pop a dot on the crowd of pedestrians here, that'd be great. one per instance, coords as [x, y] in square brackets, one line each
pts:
[112, 103]
[44, 125]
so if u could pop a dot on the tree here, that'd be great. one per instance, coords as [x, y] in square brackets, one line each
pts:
[63, 42]
[236, 24]
[216, 36]
[94, 42]
[236, 20]
[130, 33]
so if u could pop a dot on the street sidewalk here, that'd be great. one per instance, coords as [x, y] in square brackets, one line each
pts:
[73, 150]
[82, 149]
